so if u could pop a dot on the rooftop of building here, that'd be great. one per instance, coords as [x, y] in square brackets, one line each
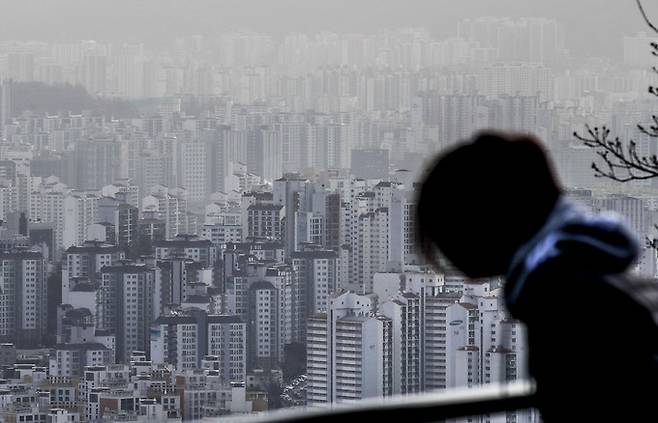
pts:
[84, 287]
[261, 285]
[81, 347]
[182, 317]
[253, 246]
[127, 267]
[224, 318]
[265, 206]
[197, 299]
[173, 243]
[94, 247]
[78, 313]
[312, 254]
[23, 255]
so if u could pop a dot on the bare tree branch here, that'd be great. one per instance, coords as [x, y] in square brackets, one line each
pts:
[620, 161]
[646, 18]
[652, 130]
[651, 243]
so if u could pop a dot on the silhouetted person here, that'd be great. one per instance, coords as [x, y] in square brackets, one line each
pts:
[493, 207]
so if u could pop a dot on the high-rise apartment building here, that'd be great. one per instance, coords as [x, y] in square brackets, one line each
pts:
[349, 352]
[268, 310]
[191, 247]
[126, 306]
[5, 105]
[47, 206]
[185, 339]
[123, 218]
[96, 163]
[24, 298]
[83, 264]
[314, 276]
[288, 192]
[170, 206]
[192, 169]
[80, 210]
[265, 222]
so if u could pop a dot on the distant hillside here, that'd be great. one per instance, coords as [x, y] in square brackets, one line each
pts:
[45, 98]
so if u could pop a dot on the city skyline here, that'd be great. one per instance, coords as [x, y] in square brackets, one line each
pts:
[588, 23]
[196, 226]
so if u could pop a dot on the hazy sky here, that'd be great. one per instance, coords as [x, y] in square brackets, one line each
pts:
[599, 22]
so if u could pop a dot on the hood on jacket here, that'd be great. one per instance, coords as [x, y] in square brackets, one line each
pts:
[596, 243]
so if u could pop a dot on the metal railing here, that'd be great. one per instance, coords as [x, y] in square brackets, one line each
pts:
[418, 408]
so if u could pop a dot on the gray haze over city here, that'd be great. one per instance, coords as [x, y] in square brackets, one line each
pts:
[207, 208]
[593, 25]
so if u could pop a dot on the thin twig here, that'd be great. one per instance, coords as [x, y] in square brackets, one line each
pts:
[622, 164]
[620, 161]
[646, 18]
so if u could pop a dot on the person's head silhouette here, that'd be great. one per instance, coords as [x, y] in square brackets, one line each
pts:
[485, 198]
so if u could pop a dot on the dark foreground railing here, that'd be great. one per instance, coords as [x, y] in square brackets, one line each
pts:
[421, 408]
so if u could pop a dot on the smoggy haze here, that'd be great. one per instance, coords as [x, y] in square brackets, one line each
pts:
[591, 27]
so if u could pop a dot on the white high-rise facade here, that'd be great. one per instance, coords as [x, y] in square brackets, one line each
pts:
[169, 205]
[402, 226]
[80, 211]
[191, 161]
[187, 339]
[349, 352]
[8, 199]
[47, 206]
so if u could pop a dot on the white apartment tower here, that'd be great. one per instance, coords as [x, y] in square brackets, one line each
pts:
[80, 211]
[227, 340]
[369, 253]
[187, 339]
[349, 352]
[407, 342]
[428, 289]
[47, 206]
[169, 205]
[8, 199]
[265, 311]
[314, 279]
[402, 227]
[191, 167]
